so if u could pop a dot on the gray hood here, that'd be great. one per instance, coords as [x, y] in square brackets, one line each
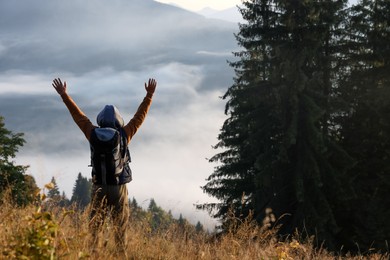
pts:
[110, 117]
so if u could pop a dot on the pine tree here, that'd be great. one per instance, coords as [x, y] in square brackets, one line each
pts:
[134, 204]
[158, 219]
[199, 227]
[137, 213]
[365, 122]
[233, 182]
[181, 221]
[12, 176]
[54, 193]
[278, 151]
[81, 191]
[64, 201]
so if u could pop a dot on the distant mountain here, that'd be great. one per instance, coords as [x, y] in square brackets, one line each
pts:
[84, 35]
[230, 14]
[207, 11]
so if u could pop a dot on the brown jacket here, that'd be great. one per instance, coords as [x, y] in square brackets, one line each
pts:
[86, 126]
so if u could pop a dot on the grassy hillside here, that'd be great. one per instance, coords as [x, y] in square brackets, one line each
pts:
[55, 233]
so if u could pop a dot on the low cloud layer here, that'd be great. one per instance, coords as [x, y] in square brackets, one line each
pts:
[106, 50]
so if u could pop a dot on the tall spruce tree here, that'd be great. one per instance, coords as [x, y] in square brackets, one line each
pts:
[233, 181]
[81, 191]
[365, 122]
[54, 193]
[158, 218]
[277, 148]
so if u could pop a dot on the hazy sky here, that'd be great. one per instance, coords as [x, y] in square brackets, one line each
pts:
[196, 5]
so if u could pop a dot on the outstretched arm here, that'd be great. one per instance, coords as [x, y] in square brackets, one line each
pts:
[78, 116]
[139, 117]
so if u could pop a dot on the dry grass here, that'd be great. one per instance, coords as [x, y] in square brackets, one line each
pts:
[57, 234]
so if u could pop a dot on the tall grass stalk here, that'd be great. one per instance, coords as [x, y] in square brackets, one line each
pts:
[35, 232]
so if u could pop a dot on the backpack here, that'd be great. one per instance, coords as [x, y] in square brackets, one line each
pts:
[110, 156]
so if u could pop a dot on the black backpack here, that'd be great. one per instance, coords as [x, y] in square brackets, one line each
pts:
[110, 156]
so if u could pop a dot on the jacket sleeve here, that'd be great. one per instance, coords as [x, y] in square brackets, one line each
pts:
[138, 118]
[78, 116]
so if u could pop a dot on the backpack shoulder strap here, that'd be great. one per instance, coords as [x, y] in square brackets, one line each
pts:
[125, 147]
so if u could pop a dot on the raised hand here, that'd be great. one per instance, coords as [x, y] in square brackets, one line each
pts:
[59, 87]
[151, 86]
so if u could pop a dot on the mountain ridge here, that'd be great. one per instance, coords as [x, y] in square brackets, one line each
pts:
[231, 14]
[97, 32]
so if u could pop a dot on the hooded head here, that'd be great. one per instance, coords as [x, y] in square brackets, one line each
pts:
[110, 117]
